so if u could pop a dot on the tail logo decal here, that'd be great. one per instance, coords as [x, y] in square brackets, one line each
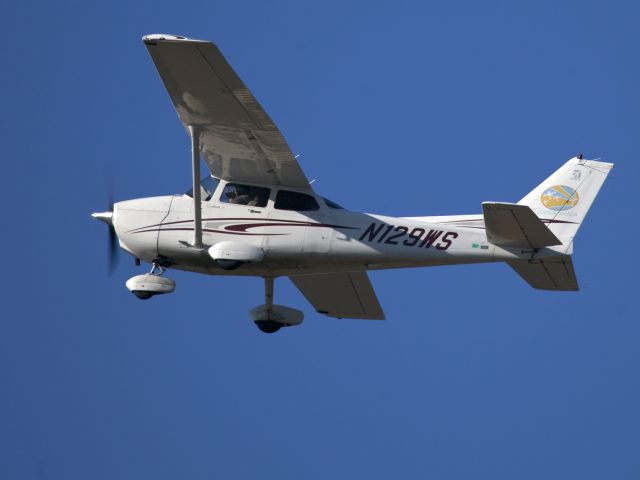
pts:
[559, 197]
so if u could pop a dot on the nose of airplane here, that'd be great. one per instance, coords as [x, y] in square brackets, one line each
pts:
[135, 224]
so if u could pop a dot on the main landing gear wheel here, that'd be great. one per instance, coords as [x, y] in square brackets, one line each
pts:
[268, 326]
[270, 318]
[229, 264]
[142, 295]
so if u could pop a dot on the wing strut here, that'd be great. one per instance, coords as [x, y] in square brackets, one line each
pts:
[194, 130]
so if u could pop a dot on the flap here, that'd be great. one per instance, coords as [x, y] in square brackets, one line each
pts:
[341, 295]
[512, 225]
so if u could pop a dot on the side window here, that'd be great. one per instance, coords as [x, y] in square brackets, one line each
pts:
[245, 195]
[300, 202]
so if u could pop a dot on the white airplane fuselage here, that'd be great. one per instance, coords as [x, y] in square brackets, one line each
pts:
[322, 241]
[257, 214]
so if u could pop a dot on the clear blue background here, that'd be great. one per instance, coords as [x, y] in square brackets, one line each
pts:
[398, 108]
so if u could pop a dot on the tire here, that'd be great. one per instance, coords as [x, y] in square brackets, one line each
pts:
[268, 326]
[142, 295]
[229, 264]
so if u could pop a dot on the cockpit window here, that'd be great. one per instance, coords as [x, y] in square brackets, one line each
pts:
[286, 200]
[208, 186]
[331, 204]
[245, 195]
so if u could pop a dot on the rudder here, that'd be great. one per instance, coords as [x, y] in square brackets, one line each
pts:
[563, 200]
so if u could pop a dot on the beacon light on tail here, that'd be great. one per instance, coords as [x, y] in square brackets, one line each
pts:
[257, 214]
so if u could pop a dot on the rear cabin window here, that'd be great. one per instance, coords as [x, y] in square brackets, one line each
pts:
[300, 202]
[245, 195]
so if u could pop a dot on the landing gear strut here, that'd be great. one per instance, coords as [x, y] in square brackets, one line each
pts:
[268, 326]
[270, 318]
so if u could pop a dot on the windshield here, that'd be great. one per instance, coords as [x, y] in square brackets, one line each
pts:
[208, 185]
[331, 204]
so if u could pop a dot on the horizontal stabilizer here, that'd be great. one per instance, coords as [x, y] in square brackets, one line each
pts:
[340, 295]
[549, 274]
[512, 225]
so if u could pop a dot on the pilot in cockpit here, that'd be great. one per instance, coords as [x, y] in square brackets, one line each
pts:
[241, 195]
[245, 195]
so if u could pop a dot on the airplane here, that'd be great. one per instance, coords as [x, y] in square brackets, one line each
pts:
[258, 215]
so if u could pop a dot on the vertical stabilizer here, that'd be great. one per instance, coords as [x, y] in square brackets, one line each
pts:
[563, 200]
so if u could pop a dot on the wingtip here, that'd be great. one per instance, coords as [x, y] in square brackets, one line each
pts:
[155, 38]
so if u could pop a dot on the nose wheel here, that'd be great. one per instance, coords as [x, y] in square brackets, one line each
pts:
[153, 283]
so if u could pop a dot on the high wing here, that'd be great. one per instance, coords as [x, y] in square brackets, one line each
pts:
[238, 140]
[341, 295]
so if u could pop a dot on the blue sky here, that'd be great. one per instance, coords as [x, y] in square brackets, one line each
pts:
[398, 108]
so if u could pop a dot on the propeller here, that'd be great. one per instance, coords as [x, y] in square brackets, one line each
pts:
[113, 250]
